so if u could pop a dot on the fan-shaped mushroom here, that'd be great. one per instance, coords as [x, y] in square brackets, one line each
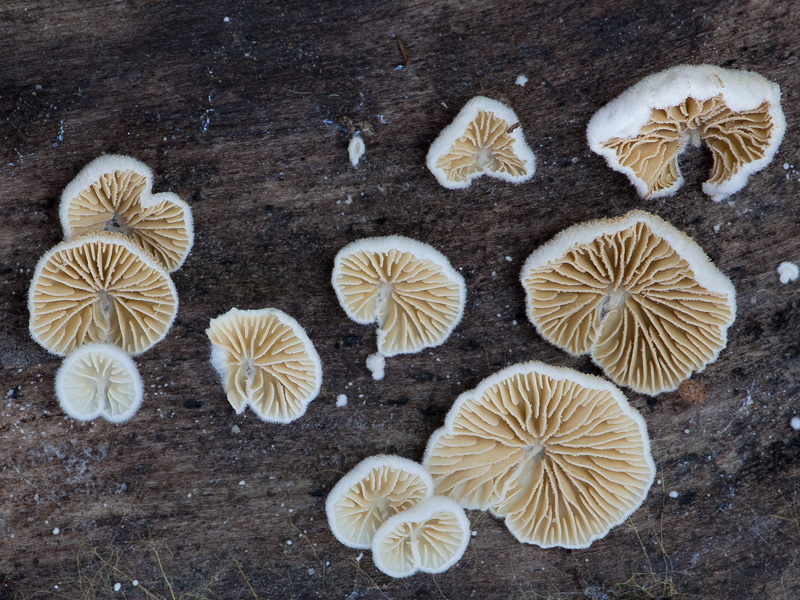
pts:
[101, 287]
[266, 360]
[406, 287]
[376, 489]
[560, 455]
[431, 538]
[99, 379]
[485, 138]
[114, 193]
[643, 131]
[636, 293]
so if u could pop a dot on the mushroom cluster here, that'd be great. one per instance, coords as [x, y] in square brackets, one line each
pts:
[386, 503]
[105, 293]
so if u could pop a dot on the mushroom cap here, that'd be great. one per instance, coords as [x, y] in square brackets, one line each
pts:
[481, 140]
[560, 455]
[100, 287]
[431, 538]
[376, 489]
[408, 288]
[266, 360]
[99, 380]
[114, 193]
[637, 294]
[642, 132]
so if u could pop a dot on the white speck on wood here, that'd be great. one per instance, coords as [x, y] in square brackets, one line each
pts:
[521, 80]
[376, 363]
[341, 400]
[788, 272]
[356, 149]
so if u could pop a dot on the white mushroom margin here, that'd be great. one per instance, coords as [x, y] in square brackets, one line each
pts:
[625, 116]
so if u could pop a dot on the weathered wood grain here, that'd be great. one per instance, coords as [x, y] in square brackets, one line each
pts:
[248, 119]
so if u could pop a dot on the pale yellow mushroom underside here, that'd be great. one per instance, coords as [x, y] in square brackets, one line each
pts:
[113, 203]
[101, 290]
[382, 493]
[435, 541]
[267, 364]
[635, 304]
[735, 138]
[562, 463]
[485, 146]
[99, 380]
[414, 303]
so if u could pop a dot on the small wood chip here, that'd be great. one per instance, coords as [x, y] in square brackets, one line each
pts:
[403, 50]
[693, 392]
[512, 127]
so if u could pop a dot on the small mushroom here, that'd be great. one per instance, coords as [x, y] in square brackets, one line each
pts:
[376, 489]
[99, 380]
[634, 292]
[101, 287]
[405, 287]
[644, 130]
[484, 138]
[560, 455]
[266, 360]
[114, 193]
[431, 538]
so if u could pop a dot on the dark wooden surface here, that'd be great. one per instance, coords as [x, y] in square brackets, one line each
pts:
[248, 119]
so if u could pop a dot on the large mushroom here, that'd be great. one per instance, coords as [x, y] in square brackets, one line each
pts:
[100, 287]
[643, 131]
[560, 455]
[638, 295]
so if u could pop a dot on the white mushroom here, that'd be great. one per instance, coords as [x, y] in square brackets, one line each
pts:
[99, 380]
[430, 538]
[485, 138]
[405, 287]
[266, 360]
[114, 193]
[634, 292]
[642, 132]
[376, 489]
[560, 455]
[101, 287]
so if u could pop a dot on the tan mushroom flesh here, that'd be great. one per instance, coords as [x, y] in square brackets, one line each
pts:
[405, 287]
[101, 287]
[560, 455]
[637, 294]
[642, 133]
[99, 380]
[485, 138]
[431, 538]
[376, 489]
[113, 193]
[266, 360]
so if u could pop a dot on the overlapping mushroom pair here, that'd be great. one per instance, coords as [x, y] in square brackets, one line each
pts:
[105, 293]
[386, 503]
